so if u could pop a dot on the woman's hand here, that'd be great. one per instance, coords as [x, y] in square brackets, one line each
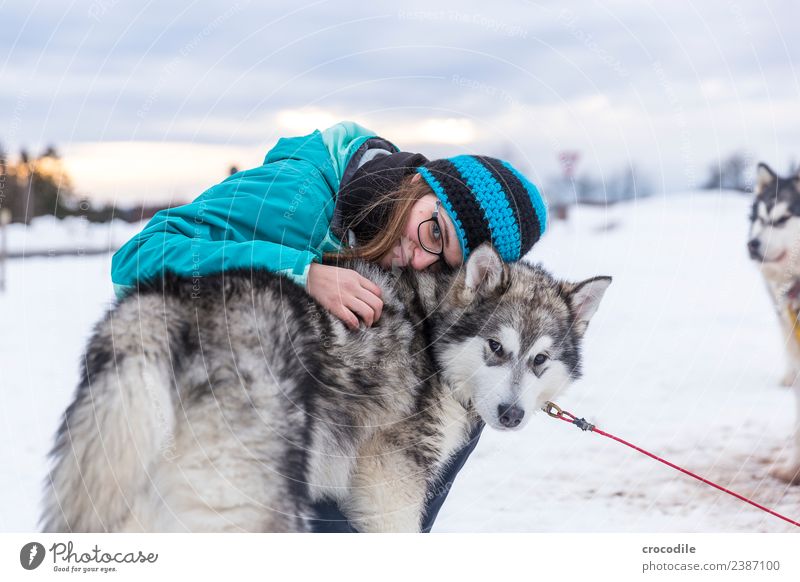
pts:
[345, 293]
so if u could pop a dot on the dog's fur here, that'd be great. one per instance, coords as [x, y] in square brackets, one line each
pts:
[231, 402]
[774, 242]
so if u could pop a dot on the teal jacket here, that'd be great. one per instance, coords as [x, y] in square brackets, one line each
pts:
[276, 216]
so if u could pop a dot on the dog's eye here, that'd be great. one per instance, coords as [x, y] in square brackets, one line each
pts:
[781, 221]
[540, 359]
[496, 347]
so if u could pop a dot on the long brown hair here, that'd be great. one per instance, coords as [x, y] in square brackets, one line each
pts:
[398, 202]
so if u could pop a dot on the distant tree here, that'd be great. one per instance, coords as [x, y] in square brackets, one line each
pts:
[50, 185]
[588, 189]
[728, 174]
[628, 183]
[50, 152]
[5, 180]
[36, 187]
[19, 191]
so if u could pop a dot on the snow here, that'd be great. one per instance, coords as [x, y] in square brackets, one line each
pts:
[48, 233]
[683, 358]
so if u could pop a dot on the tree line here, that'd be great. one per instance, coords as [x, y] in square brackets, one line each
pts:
[39, 185]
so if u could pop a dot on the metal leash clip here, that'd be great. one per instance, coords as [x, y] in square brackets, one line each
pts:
[553, 409]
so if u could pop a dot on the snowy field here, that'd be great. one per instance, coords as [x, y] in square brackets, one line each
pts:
[683, 358]
[48, 233]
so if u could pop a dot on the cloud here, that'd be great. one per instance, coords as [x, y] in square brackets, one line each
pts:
[618, 80]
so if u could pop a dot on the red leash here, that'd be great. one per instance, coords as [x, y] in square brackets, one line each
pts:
[555, 411]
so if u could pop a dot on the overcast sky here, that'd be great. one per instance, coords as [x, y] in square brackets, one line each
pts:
[154, 100]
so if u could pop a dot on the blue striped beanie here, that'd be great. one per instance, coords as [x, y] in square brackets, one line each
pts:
[488, 200]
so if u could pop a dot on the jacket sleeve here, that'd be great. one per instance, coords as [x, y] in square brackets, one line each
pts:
[275, 216]
[235, 224]
[178, 241]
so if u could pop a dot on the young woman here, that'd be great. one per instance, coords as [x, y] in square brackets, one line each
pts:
[342, 191]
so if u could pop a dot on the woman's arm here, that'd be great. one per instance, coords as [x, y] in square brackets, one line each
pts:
[274, 216]
[210, 235]
[201, 238]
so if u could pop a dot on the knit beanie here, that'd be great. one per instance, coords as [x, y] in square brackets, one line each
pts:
[488, 201]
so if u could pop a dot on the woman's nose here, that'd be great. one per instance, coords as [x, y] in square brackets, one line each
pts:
[422, 259]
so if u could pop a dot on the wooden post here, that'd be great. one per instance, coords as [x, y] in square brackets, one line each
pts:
[5, 218]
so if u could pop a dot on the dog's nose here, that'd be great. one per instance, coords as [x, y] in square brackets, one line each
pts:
[753, 246]
[510, 415]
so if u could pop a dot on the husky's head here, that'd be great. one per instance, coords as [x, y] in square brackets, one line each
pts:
[775, 219]
[509, 335]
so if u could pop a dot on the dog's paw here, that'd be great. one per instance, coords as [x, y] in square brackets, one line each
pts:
[787, 473]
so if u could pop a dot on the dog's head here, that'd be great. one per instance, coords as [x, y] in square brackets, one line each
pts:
[509, 335]
[775, 220]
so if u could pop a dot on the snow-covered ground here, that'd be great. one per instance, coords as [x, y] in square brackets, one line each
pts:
[47, 233]
[683, 358]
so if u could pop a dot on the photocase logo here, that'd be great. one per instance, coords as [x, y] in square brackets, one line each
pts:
[31, 555]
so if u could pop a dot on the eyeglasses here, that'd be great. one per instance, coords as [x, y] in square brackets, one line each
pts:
[431, 231]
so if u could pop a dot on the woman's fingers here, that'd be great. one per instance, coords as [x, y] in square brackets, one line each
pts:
[371, 294]
[375, 302]
[346, 294]
[347, 316]
[364, 310]
[369, 285]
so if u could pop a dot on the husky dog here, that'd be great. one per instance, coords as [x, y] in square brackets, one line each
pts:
[232, 402]
[775, 243]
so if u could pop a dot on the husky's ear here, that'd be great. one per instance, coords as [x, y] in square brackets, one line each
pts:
[764, 175]
[486, 272]
[585, 299]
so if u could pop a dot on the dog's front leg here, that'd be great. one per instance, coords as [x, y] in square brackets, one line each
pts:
[789, 376]
[790, 472]
[387, 492]
[792, 374]
[786, 314]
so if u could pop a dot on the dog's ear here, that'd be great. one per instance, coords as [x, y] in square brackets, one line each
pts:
[485, 272]
[764, 175]
[584, 298]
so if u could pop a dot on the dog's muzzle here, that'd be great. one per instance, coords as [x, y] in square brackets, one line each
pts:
[754, 247]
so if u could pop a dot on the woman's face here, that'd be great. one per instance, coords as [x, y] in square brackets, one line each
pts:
[407, 252]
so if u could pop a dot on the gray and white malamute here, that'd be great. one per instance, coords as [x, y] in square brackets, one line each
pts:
[775, 243]
[229, 403]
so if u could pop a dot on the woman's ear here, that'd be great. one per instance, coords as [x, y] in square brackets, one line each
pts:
[416, 177]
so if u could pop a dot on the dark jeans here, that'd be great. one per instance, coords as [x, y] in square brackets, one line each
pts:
[330, 520]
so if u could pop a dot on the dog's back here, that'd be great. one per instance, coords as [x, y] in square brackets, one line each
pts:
[174, 379]
[225, 403]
